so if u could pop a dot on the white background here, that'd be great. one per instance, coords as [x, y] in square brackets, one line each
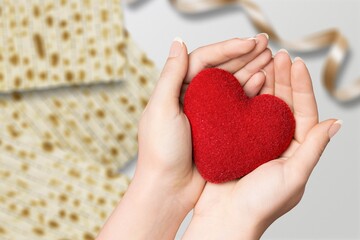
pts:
[330, 208]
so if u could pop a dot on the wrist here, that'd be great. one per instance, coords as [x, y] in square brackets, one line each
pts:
[158, 206]
[176, 184]
[210, 227]
[153, 189]
[145, 212]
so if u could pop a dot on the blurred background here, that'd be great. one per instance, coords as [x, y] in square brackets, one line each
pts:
[330, 208]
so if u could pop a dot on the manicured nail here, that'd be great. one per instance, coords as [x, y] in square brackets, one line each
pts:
[265, 34]
[335, 127]
[272, 53]
[176, 47]
[253, 39]
[298, 59]
[283, 50]
[263, 71]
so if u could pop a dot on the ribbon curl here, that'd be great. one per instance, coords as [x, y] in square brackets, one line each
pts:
[328, 38]
[332, 38]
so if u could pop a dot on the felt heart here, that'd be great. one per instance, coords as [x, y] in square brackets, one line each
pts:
[233, 134]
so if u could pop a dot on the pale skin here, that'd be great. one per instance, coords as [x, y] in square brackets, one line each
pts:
[166, 185]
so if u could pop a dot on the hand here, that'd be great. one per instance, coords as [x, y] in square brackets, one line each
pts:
[244, 208]
[166, 184]
[165, 147]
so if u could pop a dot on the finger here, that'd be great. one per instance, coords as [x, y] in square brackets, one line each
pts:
[304, 103]
[309, 152]
[251, 88]
[218, 53]
[294, 145]
[183, 91]
[282, 68]
[167, 90]
[255, 83]
[236, 64]
[269, 85]
[244, 74]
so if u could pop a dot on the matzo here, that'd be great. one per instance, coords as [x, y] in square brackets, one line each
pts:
[96, 121]
[60, 149]
[53, 195]
[61, 145]
[47, 43]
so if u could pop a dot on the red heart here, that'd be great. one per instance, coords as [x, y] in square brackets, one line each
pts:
[231, 133]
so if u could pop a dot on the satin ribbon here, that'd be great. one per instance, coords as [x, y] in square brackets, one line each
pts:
[332, 38]
[329, 38]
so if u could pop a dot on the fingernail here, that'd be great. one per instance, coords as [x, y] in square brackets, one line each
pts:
[176, 47]
[298, 59]
[283, 50]
[253, 39]
[335, 127]
[265, 34]
[272, 53]
[263, 71]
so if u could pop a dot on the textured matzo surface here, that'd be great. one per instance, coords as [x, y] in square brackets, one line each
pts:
[62, 141]
[59, 151]
[55, 195]
[47, 43]
[98, 121]
[60, 147]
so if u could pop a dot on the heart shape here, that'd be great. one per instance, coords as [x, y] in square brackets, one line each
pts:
[233, 134]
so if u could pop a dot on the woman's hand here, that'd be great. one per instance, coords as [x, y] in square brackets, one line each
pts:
[166, 184]
[244, 208]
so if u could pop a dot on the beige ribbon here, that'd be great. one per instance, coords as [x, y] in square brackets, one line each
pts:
[329, 38]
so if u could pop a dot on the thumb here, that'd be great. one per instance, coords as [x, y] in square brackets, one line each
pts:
[168, 88]
[308, 154]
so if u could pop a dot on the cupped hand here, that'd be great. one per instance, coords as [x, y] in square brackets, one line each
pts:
[166, 184]
[244, 208]
[165, 148]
